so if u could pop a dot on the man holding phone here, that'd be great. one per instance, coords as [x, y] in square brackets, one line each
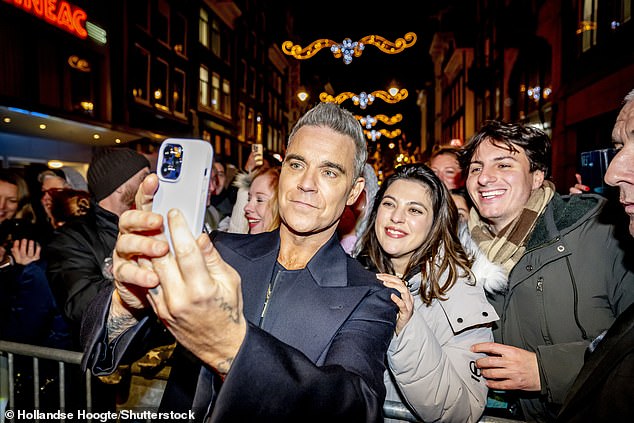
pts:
[279, 326]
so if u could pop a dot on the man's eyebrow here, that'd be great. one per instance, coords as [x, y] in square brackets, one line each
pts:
[500, 158]
[495, 159]
[324, 164]
[334, 165]
[293, 156]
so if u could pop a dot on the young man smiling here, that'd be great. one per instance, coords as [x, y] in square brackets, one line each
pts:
[567, 276]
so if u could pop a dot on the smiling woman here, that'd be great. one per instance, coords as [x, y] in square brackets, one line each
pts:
[412, 239]
[261, 209]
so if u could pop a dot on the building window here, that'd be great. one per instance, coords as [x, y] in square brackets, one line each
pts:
[587, 24]
[251, 124]
[226, 98]
[216, 38]
[160, 84]
[218, 143]
[269, 137]
[227, 147]
[252, 82]
[242, 119]
[242, 75]
[215, 92]
[227, 49]
[203, 28]
[161, 24]
[203, 96]
[178, 92]
[254, 46]
[179, 35]
[140, 74]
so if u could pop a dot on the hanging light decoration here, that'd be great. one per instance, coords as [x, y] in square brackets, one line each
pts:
[347, 48]
[374, 134]
[369, 121]
[363, 99]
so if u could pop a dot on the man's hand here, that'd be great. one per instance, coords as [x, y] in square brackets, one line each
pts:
[25, 251]
[508, 367]
[199, 298]
[131, 266]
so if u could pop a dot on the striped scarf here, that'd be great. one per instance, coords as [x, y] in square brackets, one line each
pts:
[508, 246]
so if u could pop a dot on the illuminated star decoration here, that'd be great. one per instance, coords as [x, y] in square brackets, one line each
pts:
[375, 135]
[363, 99]
[369, 121]
[349, 49]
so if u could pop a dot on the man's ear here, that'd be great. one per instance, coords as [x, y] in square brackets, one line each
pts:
[356, 190]
[538, 178]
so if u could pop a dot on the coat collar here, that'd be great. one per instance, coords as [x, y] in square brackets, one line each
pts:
[330, 256]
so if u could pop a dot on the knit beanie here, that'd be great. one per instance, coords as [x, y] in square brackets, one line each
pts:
[111, 169]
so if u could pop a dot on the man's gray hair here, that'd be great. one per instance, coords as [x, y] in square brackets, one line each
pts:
[629, 97]
[340, 120]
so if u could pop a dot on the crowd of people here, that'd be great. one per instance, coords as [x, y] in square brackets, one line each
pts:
[462, 286]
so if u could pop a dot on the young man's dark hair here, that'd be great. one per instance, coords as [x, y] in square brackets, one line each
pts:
[535, 143]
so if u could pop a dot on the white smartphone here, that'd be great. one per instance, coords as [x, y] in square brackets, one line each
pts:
[184, 169]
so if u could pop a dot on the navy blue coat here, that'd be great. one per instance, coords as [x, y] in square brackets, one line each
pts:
[603, 391]
[318, 355]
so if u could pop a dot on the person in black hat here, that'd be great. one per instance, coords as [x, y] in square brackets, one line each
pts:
[80, 253]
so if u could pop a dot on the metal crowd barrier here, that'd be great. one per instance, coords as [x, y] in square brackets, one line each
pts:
[396, 410]
[8, 351]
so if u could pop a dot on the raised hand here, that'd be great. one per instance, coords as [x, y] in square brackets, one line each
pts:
[579, 187]
[199, 298]
[25, 251]
[405, 303]
[140, 239]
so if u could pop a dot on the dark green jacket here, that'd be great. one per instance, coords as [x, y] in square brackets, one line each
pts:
[567, 288]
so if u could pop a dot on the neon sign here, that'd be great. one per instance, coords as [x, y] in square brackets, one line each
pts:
[57, 13]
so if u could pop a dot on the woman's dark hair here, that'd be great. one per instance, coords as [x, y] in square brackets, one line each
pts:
[533, 141]
[440, 253]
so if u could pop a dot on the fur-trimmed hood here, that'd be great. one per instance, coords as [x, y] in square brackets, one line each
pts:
[488, 274]
[243, 180]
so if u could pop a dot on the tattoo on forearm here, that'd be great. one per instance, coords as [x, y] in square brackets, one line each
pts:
[117, 325]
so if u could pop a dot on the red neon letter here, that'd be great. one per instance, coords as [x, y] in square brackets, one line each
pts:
[49, 10]
[79, 19]
[63, 16]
